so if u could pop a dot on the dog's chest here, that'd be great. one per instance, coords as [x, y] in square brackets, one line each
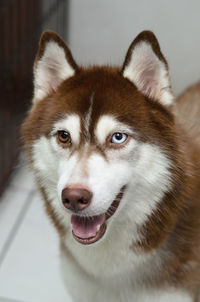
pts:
[113, 257]
[113, 273]
[121, 287]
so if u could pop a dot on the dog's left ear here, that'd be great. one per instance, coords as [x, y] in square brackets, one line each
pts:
[146, 67]
[53, 64]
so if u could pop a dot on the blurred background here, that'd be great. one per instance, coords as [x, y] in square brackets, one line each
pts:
[97, 32]
[21, 22]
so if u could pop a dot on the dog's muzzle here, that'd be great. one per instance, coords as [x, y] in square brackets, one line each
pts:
[87, 230]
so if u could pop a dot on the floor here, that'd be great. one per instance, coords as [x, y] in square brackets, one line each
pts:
[29, 255]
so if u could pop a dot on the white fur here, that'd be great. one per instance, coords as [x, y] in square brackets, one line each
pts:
[110, 264]
[87, 288]
[147, 181]
[87, 119]
[149, 73]
[107, 125]
[51, 70]
[71, 124]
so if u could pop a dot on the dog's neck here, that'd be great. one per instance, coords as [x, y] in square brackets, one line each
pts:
[171, 229]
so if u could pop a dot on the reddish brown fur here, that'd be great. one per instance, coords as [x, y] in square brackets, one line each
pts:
[175, 225]
[187, 111]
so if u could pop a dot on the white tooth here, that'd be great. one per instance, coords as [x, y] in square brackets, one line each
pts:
[98, 227]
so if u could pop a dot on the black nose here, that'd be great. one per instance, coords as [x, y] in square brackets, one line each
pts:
[76, 199]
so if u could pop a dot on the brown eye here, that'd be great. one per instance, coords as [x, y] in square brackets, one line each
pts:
[64, 137]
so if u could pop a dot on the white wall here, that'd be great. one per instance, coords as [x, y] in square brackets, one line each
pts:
[101, 31]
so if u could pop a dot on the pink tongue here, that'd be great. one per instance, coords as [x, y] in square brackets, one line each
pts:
[84, 227]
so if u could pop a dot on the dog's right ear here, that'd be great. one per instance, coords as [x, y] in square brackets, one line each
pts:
[53, 64]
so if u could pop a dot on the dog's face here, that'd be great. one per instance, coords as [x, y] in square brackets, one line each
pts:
[100, 140]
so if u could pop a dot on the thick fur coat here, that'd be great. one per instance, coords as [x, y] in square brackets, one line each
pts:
[117, 162]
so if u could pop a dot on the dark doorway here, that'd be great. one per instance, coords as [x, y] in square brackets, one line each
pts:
[21, 22]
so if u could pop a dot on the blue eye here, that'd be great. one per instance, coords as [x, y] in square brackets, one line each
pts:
[118, 138]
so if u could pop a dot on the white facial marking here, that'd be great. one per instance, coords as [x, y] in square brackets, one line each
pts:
[149, 73]
[88, 115]
[69, 123]
[48, 162]
[51, 70]
[107, 125]
[142, 167]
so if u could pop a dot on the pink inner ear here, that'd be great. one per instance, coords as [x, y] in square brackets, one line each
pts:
[148, 80]
[149, 73]
[148, 77]
[51, 69]
[53, 80]
[52, 73]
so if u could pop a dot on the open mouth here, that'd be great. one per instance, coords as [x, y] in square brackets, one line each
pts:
[88, 230]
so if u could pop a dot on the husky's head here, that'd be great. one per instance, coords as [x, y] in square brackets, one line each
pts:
[101, 140]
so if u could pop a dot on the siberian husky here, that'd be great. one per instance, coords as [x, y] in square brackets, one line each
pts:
[117, 162]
